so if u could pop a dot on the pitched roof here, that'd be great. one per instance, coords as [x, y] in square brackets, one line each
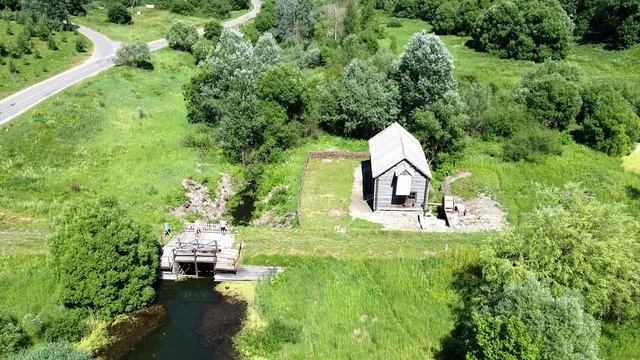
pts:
[392, 145]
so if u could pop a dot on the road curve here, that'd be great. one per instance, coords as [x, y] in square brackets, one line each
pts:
[104, 51]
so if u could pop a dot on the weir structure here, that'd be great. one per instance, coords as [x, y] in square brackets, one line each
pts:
[208, 250]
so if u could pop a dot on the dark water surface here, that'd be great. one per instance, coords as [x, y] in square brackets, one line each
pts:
[200, 323]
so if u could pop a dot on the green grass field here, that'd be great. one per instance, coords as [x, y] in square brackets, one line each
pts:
[148, 25]
[596, 63]
[32, 69]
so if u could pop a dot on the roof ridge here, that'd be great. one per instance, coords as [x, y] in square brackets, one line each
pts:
[401, 136]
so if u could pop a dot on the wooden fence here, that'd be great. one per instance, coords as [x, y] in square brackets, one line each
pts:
[364, 155]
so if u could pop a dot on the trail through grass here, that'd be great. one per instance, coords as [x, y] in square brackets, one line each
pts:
[31, 68]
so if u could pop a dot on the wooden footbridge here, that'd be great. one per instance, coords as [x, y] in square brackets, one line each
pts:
[208, 250]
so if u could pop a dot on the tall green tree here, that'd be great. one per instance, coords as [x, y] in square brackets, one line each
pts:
[369, 100]
[293, 19]
[424, 72]
[103, 259]
[55, 10]
[267, 51]
[228, 76]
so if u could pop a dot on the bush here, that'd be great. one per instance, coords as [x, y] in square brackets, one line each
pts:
[181, 7]
[266, 19]
[444, 20]
[201, 49]
[66, 325]
[135, 54]
[12, 337]
[104, 260]
[524, 29]
[213, 30]
[608, 121]
[118, 14]
[58, 351]
[576, 242]
[284, 84]
[182, 36]
[394, 23]
[532, 144]
[81, 44]
[528, 322]
[551, 94]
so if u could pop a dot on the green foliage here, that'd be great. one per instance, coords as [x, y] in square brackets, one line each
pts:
[227, 77]
[12, 337]
[579, 243]
[182, 36]
[394, 23]
[524, 29]
[532, 144]
[552, 95]
[284, 84]
[352, 19]
[81, 44]
[614, 21]
[66, 325]
[444, 20]
[608, 122]
[54, 10]
[213, 30]
[118, 14]
[457, 17]
[267, 51]
[104, 260]
[424, 73]
[136, 54]
[266, 19]
[293, 19]
[529, 322]
[497, 338]
[57, 351]
[368, 102]
[202, 49]
[440, 127]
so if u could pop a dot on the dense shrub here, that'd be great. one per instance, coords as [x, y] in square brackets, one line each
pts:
[576, 242]
[394, 23]
[457, 17]
[551, 94]
[608, 121]
[368, 102]
[58, 351]
[213, 30]
[440, 127]
[285, 85]
[266, 19]
[182, 36]
[614, 21]
[66, 325]
[524, 29]
[424, 72]
[104, 260]
[202, 49]
[532, 144]
[528, 322]
[267, 51]
[12, 337]
[135, 54]
[81, 44]
[118, 13]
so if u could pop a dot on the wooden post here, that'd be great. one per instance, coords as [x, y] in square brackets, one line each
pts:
[195, 260]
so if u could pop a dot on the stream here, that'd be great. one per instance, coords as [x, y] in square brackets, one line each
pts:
[200, 323]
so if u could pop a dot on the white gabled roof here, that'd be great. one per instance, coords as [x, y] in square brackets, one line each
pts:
[393, 145]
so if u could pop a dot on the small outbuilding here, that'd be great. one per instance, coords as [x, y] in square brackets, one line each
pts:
[399, 170]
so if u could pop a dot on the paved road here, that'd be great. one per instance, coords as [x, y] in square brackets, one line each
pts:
[104, 51]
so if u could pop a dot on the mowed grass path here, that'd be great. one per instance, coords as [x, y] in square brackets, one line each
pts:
[597, 64]
[32, 69]
[149, 25]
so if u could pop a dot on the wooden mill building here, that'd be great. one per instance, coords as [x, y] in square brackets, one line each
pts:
[399, 170]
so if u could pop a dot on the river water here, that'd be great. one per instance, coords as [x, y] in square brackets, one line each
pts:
[200, 323]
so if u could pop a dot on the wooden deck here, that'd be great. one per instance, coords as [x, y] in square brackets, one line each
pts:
[249, 273]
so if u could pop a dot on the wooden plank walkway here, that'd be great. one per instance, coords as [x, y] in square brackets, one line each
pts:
[249, 273]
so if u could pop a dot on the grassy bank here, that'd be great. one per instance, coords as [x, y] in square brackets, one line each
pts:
[373, 309]
[31, 68]
[597, 64]
[148, 24]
